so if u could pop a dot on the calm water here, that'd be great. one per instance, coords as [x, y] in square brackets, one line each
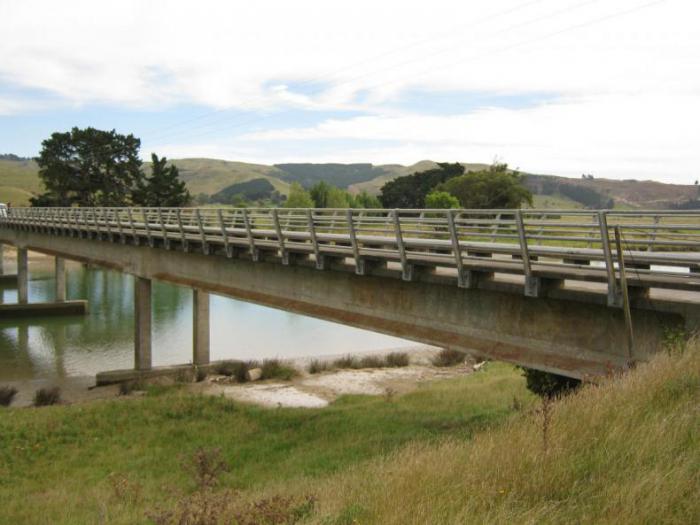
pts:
[62, 347]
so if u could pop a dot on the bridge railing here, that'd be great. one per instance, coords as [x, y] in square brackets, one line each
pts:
[531, 242]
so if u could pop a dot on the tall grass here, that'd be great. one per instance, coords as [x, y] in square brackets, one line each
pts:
[626, 451]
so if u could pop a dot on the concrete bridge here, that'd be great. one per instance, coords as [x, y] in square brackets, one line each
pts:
[540, 288]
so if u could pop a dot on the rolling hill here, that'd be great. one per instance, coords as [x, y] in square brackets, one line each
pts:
[19, 181]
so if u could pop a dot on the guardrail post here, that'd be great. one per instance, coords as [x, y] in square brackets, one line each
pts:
[227, 247]
[532, 283]
[134, 237]
[183, 238]
[164, 231]
[406, 268]
[320, 259]
[254, 252]
[625, 294]
[360, 266]
[205, 245]
[465, 279]
[122, 237]
[147, 226]
[614, 297]
[280, 239]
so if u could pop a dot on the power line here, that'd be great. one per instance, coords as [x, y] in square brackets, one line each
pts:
[480, 55]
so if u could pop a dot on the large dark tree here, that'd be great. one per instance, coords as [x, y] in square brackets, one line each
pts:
[410, 191]
[89, 167]
[163, 187]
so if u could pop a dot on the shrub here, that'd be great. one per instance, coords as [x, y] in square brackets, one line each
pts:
[47, 396]
[7, 394]
[371, 361]
[316, 366]
[448, 357]
[276, 369]
[346, 362]
[235, 369]
[397, 359]
[547, 384]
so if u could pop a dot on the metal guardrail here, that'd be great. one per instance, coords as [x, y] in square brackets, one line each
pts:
[661, 248]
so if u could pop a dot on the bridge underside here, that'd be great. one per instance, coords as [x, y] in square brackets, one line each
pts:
[567, 332]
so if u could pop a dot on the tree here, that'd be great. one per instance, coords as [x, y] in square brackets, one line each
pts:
[410, 191]
[298, 197]
[365, 200]
[89, 167]
[163, 187]
[441, 200]
[495, 187]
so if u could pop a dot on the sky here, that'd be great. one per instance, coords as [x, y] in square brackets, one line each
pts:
[609, 88]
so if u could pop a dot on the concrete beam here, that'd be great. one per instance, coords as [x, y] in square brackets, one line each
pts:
[22, 276]
[60, 282]
[43, 309]
[142, 323]
[200, 327]
[570, 331]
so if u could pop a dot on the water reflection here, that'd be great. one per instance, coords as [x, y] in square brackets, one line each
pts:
[58, 347]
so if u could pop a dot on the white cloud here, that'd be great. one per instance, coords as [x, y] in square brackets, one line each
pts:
[628, 87]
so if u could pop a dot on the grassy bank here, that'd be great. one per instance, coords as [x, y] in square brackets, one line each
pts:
[624, 452]
[115, 461]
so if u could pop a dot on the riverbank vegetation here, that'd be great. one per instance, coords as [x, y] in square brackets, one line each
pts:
[58, 464]
[390, 360]
[474, 449]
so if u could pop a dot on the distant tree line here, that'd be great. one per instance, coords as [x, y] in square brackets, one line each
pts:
[91, 167]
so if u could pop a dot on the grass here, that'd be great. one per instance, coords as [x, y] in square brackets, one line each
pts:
[392, 360]
[58, 464]
[627, 451]
[449, 357]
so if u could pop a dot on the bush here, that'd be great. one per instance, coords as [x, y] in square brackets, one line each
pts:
[316, 366]
[7, 394]
[47, 396]
[235, 369]
[276, 369]
[397, 359]
[546, 384]
[449, 357]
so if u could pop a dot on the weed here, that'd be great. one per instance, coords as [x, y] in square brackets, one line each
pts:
[276, 369]
[346, 362]
[372, 361]
[47, 396]
[316, 366]
[200, 375]
[236, 369]
[206, 466]
[7, 394]
[448, 357]
[397, 359]
[127, 387]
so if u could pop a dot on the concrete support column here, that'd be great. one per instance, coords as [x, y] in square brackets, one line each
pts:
[22, 276]
[200, 327]
[142, 324]
[60, 290]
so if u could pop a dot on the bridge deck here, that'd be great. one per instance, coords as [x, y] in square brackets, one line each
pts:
[660, 249]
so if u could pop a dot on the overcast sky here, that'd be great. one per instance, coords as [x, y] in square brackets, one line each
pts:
[567, 87]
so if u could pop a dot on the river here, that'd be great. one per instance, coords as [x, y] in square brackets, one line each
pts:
[57, 348]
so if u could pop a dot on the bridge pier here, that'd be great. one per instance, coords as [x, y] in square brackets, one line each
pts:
[22, 276]
[60, 282]
[200, 327]
[142, 324]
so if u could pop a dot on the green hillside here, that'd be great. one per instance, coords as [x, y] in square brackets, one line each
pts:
[19, 181]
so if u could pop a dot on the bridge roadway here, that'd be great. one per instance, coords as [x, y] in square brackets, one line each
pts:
[540, 288]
